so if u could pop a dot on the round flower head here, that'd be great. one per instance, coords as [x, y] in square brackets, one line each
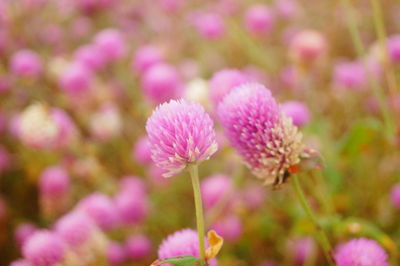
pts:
[145, 57]
[394, 48]
[141, 151]
[23, 232]
[75, 228]
[131, 207]
[20, 263]
[160, 83]
[209, 25]
[180, 133]
[222, 82]
[101, 209]
[133, 184]
[45, 128]
[301, 249]
[253, 196]
[229, 227]
[350, 75]
[26, 63]
[106, 123]
[395, 195]
[111, 43]
[116, 254]
[361, 252]
[215, 188]
[297, 111]
[183, 242]
[254, 124]
[259, 19]
[90, 56]
[54, 182]
[287, 8]
[138, 247]
[307, 46]
[44, 248]
[76, 80]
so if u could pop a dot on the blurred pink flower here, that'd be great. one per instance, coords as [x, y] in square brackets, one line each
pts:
[222, 82]
[145, 57]
[54, 183]
[138, 247]
[111, 44]
[307, 46]
[116, 253]
[395, 195]
[259, 19]
[229, 227]
[161, 83]
[361, 252]
[210, 25]
[216, 188]
[141, 151]
[26, 63]
[350, 75]
[23, 232]
[297, 111]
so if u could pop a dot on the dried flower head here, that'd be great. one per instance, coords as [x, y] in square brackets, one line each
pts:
[255, 125]
[180, 133]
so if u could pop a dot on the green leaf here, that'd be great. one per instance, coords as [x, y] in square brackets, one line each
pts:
[184, 260]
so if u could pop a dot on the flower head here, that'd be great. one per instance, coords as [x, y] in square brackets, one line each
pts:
[54, 182]
[216, 188]
[255, 125]
[161, 82]
[44, 248]
[138, 247]
[183, 242]
[350, 75]
[361, 252]
[259, 19]
[180, 133]
[222, 82]
[26, 63]
[297, 111]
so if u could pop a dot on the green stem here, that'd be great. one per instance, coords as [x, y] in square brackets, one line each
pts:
[320, 234]
[360, 50]
[194, 174]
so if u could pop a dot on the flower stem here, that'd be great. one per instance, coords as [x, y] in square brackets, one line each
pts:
[360, 50]
[194, 174]
[320, 234]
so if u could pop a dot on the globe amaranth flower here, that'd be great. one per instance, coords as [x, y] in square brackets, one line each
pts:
[257, 128]
[44, 248]
[138, 247]
[183, 242]
[297, 111]
[222, 82]
[45, 128]
[361, 252]
[180, 133]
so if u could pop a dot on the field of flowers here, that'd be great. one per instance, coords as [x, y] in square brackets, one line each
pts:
[199, 132]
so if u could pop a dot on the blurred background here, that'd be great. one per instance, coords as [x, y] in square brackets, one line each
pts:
[79, 78]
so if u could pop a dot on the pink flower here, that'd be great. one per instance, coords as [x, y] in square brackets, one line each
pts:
[145, 57]
[259, 19]
[26, 63]
[44, 248]
[138, 247]
[131, 206]
[395, 195]
[209, 25]
[183, 242]
[141, 151]
[394, 48]
[111, 44]
[180, 133]
[101, 209]
[216, 188]
[254, 124]
[90, 56]
[222, 82]
[160, 83]
[350, 75]
[361, 252]
[301, 249]
[106, 123]
[229, 227]
[54, 183]
[76, 80]
[307, 46]
[297, 111]
[116, 253]
[23, 232]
